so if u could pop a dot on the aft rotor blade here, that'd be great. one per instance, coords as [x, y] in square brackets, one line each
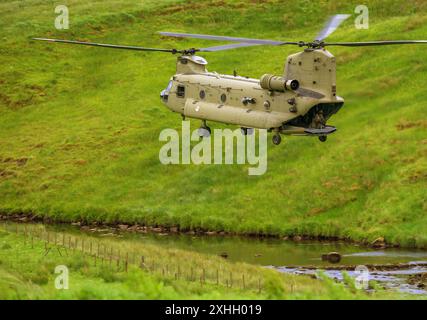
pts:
[112, 46]
[331, 25]
[374, 43]
[228, 47]
[226, 38]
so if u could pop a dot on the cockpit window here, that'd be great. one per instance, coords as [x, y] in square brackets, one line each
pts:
[180, 91]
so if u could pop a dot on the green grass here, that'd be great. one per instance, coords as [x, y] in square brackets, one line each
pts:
[79, 126]
[27, 271]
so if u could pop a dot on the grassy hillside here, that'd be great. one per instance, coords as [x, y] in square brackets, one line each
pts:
[79, 126]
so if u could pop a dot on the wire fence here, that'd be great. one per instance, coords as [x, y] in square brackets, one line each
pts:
[117, 259]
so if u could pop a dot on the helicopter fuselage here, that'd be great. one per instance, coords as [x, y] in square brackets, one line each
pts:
[270, 103]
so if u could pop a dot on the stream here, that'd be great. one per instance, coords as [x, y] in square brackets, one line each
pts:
[304, 257]
[395, 268]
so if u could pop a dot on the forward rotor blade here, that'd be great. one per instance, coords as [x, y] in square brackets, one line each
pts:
[374, 43]
[226, 38]
[331, 25]
[112, 46]
[227, 47]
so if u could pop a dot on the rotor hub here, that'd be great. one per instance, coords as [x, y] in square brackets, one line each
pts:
[312, 45]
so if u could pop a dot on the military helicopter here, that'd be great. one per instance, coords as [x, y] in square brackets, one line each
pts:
[299, 102]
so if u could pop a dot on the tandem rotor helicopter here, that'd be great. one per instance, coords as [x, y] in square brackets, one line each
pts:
[299, 102]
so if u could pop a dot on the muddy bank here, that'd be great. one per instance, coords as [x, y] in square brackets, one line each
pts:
[379, 243]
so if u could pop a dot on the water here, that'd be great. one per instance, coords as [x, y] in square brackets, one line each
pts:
[293, 257]
[297, 257]
[284, 256]
[276, 252]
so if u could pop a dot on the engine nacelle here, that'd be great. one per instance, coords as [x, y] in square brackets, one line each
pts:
[277, 83]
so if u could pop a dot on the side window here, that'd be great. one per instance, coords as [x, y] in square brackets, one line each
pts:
[180, 91]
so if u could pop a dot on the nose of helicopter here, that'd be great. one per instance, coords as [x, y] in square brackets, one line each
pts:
[164, 94]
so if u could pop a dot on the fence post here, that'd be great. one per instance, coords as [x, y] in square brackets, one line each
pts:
[126, 262]
[25, 234]
[25, 237]
[118, 259]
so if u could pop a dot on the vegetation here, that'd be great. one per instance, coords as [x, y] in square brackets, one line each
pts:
[79, 126]
[27, 271]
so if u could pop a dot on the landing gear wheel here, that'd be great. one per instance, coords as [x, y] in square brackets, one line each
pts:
[277, 139]
[323, 138]
[204, 132]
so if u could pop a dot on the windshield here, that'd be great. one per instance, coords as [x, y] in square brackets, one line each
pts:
[165, 93]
